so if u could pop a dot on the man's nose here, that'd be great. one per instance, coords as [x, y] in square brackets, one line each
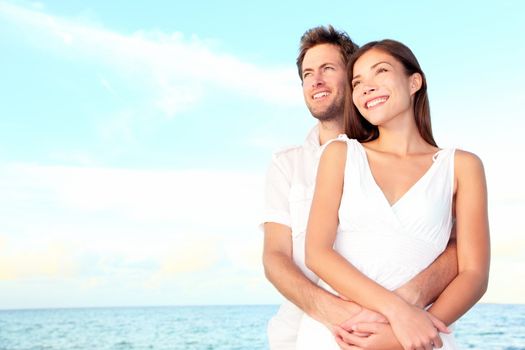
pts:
[317, 80]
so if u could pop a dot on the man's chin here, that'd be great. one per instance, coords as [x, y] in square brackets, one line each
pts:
[324, 117]
[326, 114]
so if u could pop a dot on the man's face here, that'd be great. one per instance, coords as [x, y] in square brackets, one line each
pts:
[324, 75]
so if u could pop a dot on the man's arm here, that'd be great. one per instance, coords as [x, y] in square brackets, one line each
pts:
[424, 288]
[290, 281]
[279, 266]
[323, 306]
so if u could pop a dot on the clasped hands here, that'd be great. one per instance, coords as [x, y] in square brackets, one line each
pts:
[370, 330]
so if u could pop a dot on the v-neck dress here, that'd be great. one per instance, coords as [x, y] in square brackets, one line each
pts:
[388, 243]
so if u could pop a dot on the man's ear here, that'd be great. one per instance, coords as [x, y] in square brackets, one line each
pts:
[416, 80]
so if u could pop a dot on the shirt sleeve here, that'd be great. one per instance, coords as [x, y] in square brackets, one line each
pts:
[277, 208]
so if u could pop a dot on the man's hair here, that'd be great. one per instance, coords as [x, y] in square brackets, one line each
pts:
[325, 35]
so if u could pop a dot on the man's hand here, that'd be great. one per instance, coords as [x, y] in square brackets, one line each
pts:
[332, 310]
[425, 287]
[380, 337]
[363, 316]
[291, 282]
[366, 330]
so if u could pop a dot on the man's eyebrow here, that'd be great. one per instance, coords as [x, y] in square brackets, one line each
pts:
[372, 67]
[306, 70]
[321, 66]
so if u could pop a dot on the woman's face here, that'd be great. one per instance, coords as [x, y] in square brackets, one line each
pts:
[382, 91]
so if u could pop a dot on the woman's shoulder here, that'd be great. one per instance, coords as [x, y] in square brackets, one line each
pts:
[467, 163]
[335, 147]
[466, 157]
[333, 160]
[342, 141]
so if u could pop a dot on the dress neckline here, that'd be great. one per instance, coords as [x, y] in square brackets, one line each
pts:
[409, 190]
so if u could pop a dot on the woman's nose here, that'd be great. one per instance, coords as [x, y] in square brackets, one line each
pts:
[368, 89]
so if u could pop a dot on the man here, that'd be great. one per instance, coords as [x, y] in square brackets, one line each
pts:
[324, 54]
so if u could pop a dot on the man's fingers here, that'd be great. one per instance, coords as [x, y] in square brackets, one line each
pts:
[345, 346]
[438, 343]
[347, 337]
[366, 327]
[338, 334]
[348, 324]
[361, 334]
[364, 315]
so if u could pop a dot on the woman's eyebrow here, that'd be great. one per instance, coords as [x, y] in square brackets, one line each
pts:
[372, 67]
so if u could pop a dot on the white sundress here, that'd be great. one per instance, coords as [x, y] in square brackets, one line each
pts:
[389, 243]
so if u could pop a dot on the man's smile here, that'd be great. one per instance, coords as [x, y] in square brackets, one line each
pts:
[320, 94]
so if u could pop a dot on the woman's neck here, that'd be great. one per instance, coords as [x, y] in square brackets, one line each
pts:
[401, 137]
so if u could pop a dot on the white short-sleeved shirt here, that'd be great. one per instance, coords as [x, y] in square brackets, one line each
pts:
[290, 185]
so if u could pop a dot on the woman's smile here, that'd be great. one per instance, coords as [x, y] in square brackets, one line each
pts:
[377, 101]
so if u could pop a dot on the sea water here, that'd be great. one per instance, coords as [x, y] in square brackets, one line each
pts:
[486, 326]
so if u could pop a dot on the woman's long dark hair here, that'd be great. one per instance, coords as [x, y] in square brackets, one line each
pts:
[356, 126]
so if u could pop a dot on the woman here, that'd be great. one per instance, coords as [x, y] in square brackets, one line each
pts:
[385, 200]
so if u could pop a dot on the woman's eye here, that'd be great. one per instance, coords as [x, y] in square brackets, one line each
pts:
[381, 70]
[355, 83]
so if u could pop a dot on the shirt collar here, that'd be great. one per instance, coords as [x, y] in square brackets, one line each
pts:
[312, 140]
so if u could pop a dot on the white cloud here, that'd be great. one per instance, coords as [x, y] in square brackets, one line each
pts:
[178, 71]
[218, 199]
[107, 85]
[44, 259]
[113, 221]
[159, 230]
[506, 282]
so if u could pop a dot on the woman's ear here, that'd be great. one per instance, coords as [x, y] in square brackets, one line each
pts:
[416, 80]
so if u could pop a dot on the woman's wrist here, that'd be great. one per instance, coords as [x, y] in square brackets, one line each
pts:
[393, 307]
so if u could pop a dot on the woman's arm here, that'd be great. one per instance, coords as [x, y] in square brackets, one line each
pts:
[473, 243]
[412, 326]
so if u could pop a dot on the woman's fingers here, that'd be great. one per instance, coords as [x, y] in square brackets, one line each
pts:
[441, 327]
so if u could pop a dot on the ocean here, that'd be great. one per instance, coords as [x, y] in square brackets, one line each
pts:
[486, 326]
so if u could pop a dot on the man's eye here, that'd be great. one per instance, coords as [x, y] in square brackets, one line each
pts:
[328, 67]
[305, 75]
[381, 70]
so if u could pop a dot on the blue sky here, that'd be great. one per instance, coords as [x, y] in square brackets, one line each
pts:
[134, 137]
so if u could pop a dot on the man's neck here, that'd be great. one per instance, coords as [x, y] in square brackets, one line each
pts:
[330, 129]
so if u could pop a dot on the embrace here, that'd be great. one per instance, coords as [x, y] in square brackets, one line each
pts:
[376, 237]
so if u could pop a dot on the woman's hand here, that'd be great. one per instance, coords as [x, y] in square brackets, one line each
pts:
[416, 329]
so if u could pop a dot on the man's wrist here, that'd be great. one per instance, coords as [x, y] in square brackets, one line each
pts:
[412, 295]
[332, 310]
[320, 308]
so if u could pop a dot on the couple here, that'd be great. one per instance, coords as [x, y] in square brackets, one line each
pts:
[358, 219]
